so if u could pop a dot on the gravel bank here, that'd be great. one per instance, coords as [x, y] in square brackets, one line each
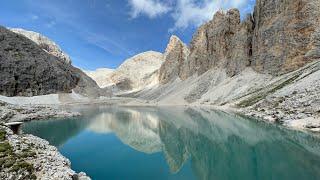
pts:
[29, 157]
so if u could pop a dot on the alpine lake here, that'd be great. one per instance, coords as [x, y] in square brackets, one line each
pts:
[160, 143]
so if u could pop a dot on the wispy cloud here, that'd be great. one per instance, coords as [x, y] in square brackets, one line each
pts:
[34, 17]
[106, 43]
[150, 8]
[194, 13]
[51, 23]
[185, 13]
[69, 18]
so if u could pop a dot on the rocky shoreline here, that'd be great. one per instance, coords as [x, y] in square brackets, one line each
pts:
[12, 113]
[29, 157]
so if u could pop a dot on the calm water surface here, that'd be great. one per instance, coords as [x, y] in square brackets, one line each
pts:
[121, 143]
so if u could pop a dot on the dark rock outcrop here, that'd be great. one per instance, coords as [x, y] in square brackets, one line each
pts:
[88, 87]
[27, 70]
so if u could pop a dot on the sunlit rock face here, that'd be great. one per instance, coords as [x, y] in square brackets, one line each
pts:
[280, 36]
[45, 43]
[174, 57]
[101, 76]
[223, 42]
[286, 35]
[138, 72]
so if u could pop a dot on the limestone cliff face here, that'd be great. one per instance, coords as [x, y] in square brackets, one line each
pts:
[45, 43]
[175, 55]
[222, 42]
[280, 36]
[286, 35]
[138, 72]
[101, 76]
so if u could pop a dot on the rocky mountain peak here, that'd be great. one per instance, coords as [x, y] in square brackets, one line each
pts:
[101, 76]
[175, 55]
[219, 15]
[281, 36]
[223, 42]
[138, 71]
[173, 43]
[231, 16]
[45, 43]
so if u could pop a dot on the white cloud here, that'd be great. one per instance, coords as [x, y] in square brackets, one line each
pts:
[189, 13]
[151, 8]
[185, 13]
[194, 13]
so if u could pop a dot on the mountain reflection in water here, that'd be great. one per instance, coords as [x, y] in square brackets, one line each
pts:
[217, 144]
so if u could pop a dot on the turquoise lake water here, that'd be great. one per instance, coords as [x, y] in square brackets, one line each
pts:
[121, 143]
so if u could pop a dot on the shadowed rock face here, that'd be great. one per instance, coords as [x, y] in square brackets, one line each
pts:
[87, 86]
[27, 70]
[286, 35]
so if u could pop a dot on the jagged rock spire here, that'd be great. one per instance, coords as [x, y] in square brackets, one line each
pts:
[175, 55]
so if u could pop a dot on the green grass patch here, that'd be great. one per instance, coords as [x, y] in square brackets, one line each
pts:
[14, 162]
[22, 165]
[5, 148]
[26, 154]
[2, 135]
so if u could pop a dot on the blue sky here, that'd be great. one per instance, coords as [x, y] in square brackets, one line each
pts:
[103, 33]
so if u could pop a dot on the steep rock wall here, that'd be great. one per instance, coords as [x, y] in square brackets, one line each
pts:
[175, 55]
[223, 42]
[32, 65]
[27, 70]
[286, 35]
[281, 36]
